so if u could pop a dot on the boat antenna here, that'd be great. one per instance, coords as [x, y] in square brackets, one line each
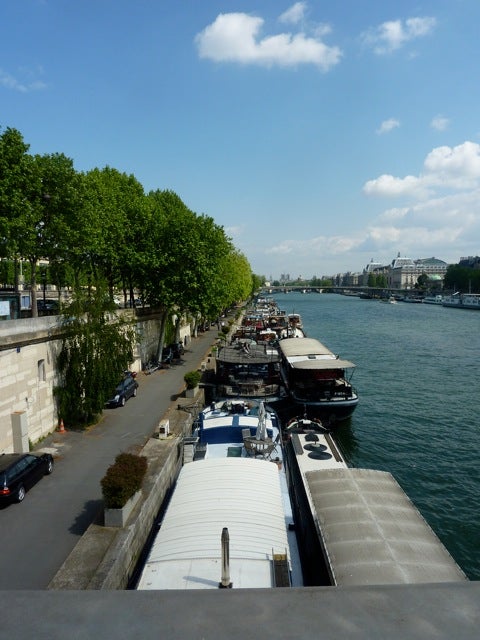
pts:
[225, 580]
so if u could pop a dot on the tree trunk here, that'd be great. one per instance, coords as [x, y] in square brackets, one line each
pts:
[33, 287]
[161, 337]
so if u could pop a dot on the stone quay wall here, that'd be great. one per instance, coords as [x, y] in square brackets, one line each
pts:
[28, 352]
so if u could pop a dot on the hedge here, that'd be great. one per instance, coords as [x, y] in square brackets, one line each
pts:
[123, 479]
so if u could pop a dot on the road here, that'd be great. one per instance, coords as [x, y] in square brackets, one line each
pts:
[38, 534]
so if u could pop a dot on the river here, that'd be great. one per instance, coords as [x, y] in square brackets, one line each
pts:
[418, 415]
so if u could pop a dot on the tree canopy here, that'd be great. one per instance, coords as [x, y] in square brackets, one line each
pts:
[99, 226]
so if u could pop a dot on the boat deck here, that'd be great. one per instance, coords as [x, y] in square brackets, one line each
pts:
[369, 530]
[224, 484]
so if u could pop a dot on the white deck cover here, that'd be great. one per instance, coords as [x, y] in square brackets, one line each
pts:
[293, 347]
[373, 534]
[323, 364]
[241, 494]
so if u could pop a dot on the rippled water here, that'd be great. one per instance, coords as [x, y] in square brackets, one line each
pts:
[417, 377]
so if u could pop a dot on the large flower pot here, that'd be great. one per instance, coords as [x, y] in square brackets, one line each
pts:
[119, 517]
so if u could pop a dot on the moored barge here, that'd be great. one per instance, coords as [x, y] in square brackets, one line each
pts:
[316, 379]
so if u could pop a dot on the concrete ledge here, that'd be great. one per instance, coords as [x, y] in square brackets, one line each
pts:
[106, 557]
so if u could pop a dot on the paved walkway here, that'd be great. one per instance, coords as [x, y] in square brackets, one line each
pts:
[45, 528]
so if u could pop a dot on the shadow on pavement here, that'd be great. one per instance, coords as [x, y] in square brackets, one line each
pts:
[92, 513]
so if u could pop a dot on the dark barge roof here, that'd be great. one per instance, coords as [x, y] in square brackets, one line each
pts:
[257, 355]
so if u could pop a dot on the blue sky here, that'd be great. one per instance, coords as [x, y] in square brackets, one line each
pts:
[320, 135]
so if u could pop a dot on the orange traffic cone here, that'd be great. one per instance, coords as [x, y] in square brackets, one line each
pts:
[61, 426]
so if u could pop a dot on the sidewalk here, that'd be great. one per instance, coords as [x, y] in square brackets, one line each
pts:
[157, 394]
[82, 458]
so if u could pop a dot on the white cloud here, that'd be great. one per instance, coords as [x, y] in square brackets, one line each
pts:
[10, 82]
[445, 168]
[294, 14]
[236, 37]
[439, 123]
[393, 34]
[389, 186]
[457, 167]
[396, 213]
[388, 125]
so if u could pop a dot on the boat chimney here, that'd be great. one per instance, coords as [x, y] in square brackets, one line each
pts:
[225, 581]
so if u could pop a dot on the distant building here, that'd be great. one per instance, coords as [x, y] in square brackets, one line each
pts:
[351, 279]
[403, 273]
[471, 261]
[376, 268]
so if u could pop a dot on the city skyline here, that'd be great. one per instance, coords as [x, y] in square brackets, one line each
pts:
[320, 135]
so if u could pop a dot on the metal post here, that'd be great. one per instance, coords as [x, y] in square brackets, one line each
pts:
[225, 581]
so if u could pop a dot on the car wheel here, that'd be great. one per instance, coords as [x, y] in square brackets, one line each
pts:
[20, 495]
[49, 467]
[135, 392]
[122, 401]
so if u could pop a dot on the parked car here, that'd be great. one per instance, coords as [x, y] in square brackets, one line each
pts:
[20, 471]
[47, 306]
[123, 391]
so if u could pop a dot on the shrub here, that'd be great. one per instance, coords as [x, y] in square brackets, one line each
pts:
[192, 378]
[123, 479]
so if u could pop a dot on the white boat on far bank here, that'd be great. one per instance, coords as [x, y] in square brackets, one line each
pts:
[462, 301]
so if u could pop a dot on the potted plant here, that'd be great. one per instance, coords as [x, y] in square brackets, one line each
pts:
[192, 378]
[121, 487]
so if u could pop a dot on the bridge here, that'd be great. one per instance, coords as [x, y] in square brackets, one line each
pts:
[373, 292]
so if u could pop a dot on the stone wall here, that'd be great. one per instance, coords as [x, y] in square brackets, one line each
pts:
[28, 350]
[27, 379]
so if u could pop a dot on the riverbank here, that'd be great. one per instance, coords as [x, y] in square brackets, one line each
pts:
[106, 557]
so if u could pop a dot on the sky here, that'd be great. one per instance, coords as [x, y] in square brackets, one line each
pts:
[321, 135]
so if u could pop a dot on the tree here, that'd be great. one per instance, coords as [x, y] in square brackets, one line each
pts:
[14, 180]
[422, 281]
[97, 348]
[462, 279]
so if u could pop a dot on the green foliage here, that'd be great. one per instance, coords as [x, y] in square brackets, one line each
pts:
[101, 226]
[463, 279]
[96, 348]
[320, 282]
[123, 479]
[192, 378]
[377, 280]
[422, 281]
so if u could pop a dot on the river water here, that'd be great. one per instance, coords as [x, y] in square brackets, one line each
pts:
[417, 377]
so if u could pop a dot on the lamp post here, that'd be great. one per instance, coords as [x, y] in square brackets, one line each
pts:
[44, 284]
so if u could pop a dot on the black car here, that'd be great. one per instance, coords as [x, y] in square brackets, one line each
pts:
[20, 471]
[124, 390]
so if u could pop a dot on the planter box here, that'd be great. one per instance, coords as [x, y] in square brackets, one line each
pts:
[191, 393]
[119, 517]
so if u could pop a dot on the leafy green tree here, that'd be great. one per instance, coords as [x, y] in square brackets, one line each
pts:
[14, 182]
[96, 348]
[462, 279]
[422, 281]
[183, 261]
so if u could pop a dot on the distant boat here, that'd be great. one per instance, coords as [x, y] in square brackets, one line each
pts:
[462, 301]
[438, 299]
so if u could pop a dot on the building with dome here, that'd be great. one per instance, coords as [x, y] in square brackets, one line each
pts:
[403, 273]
